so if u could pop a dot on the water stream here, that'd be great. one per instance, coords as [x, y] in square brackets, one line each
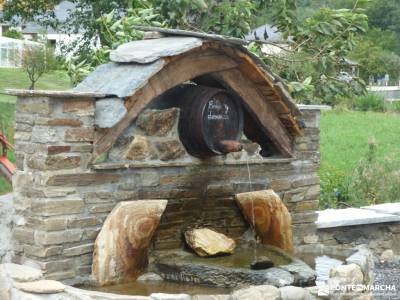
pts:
[253, 216]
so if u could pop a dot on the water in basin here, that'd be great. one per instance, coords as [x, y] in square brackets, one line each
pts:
[241, 258]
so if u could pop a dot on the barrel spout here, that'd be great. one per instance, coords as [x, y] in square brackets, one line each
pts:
[228, 146]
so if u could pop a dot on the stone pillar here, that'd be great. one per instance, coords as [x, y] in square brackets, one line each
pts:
[53, 140]
[303, 199]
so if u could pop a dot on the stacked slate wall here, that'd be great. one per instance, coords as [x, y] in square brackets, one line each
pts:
[61, 200]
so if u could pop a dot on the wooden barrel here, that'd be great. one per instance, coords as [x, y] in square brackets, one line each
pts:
[211, 121]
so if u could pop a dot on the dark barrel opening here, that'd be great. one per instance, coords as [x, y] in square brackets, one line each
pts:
[211, 121]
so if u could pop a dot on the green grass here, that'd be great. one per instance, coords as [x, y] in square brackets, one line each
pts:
[344, 141]
[345, 135]
[17, 79]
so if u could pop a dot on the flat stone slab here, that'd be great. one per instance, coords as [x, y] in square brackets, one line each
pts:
[53, 94]
[41, 287]
[386, 208]
[21, 273]
[162, 296]
[314, 107]
[330, 218]
[147, 51]
[87, 294]
[109, 112]
[121, 80]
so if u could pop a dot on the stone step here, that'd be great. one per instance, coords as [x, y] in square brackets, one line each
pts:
[331, 218]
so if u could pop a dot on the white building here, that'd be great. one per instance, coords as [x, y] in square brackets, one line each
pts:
[11, 51]
[32, 30]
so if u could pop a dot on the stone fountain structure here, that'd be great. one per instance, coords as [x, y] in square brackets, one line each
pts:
[106, 162]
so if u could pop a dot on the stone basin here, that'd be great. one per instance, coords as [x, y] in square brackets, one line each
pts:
[234, 270]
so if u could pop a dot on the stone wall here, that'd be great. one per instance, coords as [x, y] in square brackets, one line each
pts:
[62, 200]
[378, 237]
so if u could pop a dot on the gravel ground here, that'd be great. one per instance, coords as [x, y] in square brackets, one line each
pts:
[388, 274]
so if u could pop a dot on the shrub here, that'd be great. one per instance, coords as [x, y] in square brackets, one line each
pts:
[369, 102]
[374, 180]
[333, 188]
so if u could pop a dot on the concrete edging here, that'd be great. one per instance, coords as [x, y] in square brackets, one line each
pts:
[382, 213]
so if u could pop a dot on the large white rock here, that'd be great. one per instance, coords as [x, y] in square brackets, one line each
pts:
[207, 242]
[294, 293]
[261, 292]
[150, 277]
[12, 272]
[364, 258]
[387, 256]
[41, 287]
[79, 294]
[211, 297]
[161, 296]
[347, 274]
[20, 273]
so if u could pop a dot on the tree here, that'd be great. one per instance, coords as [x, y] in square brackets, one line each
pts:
[374, 60]
[385, 15]
[26, 10]
[36, 61]
[318, 43]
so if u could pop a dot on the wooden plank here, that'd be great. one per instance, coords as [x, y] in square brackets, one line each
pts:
[262, 71]
[279, 107]
[266, 90]
[285, 96]
[291, 124]
[262, 110]
[203, 35]
[180, 69]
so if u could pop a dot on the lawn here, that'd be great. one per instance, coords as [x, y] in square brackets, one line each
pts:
[344, 141]
[345, 136]
[16, 79]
